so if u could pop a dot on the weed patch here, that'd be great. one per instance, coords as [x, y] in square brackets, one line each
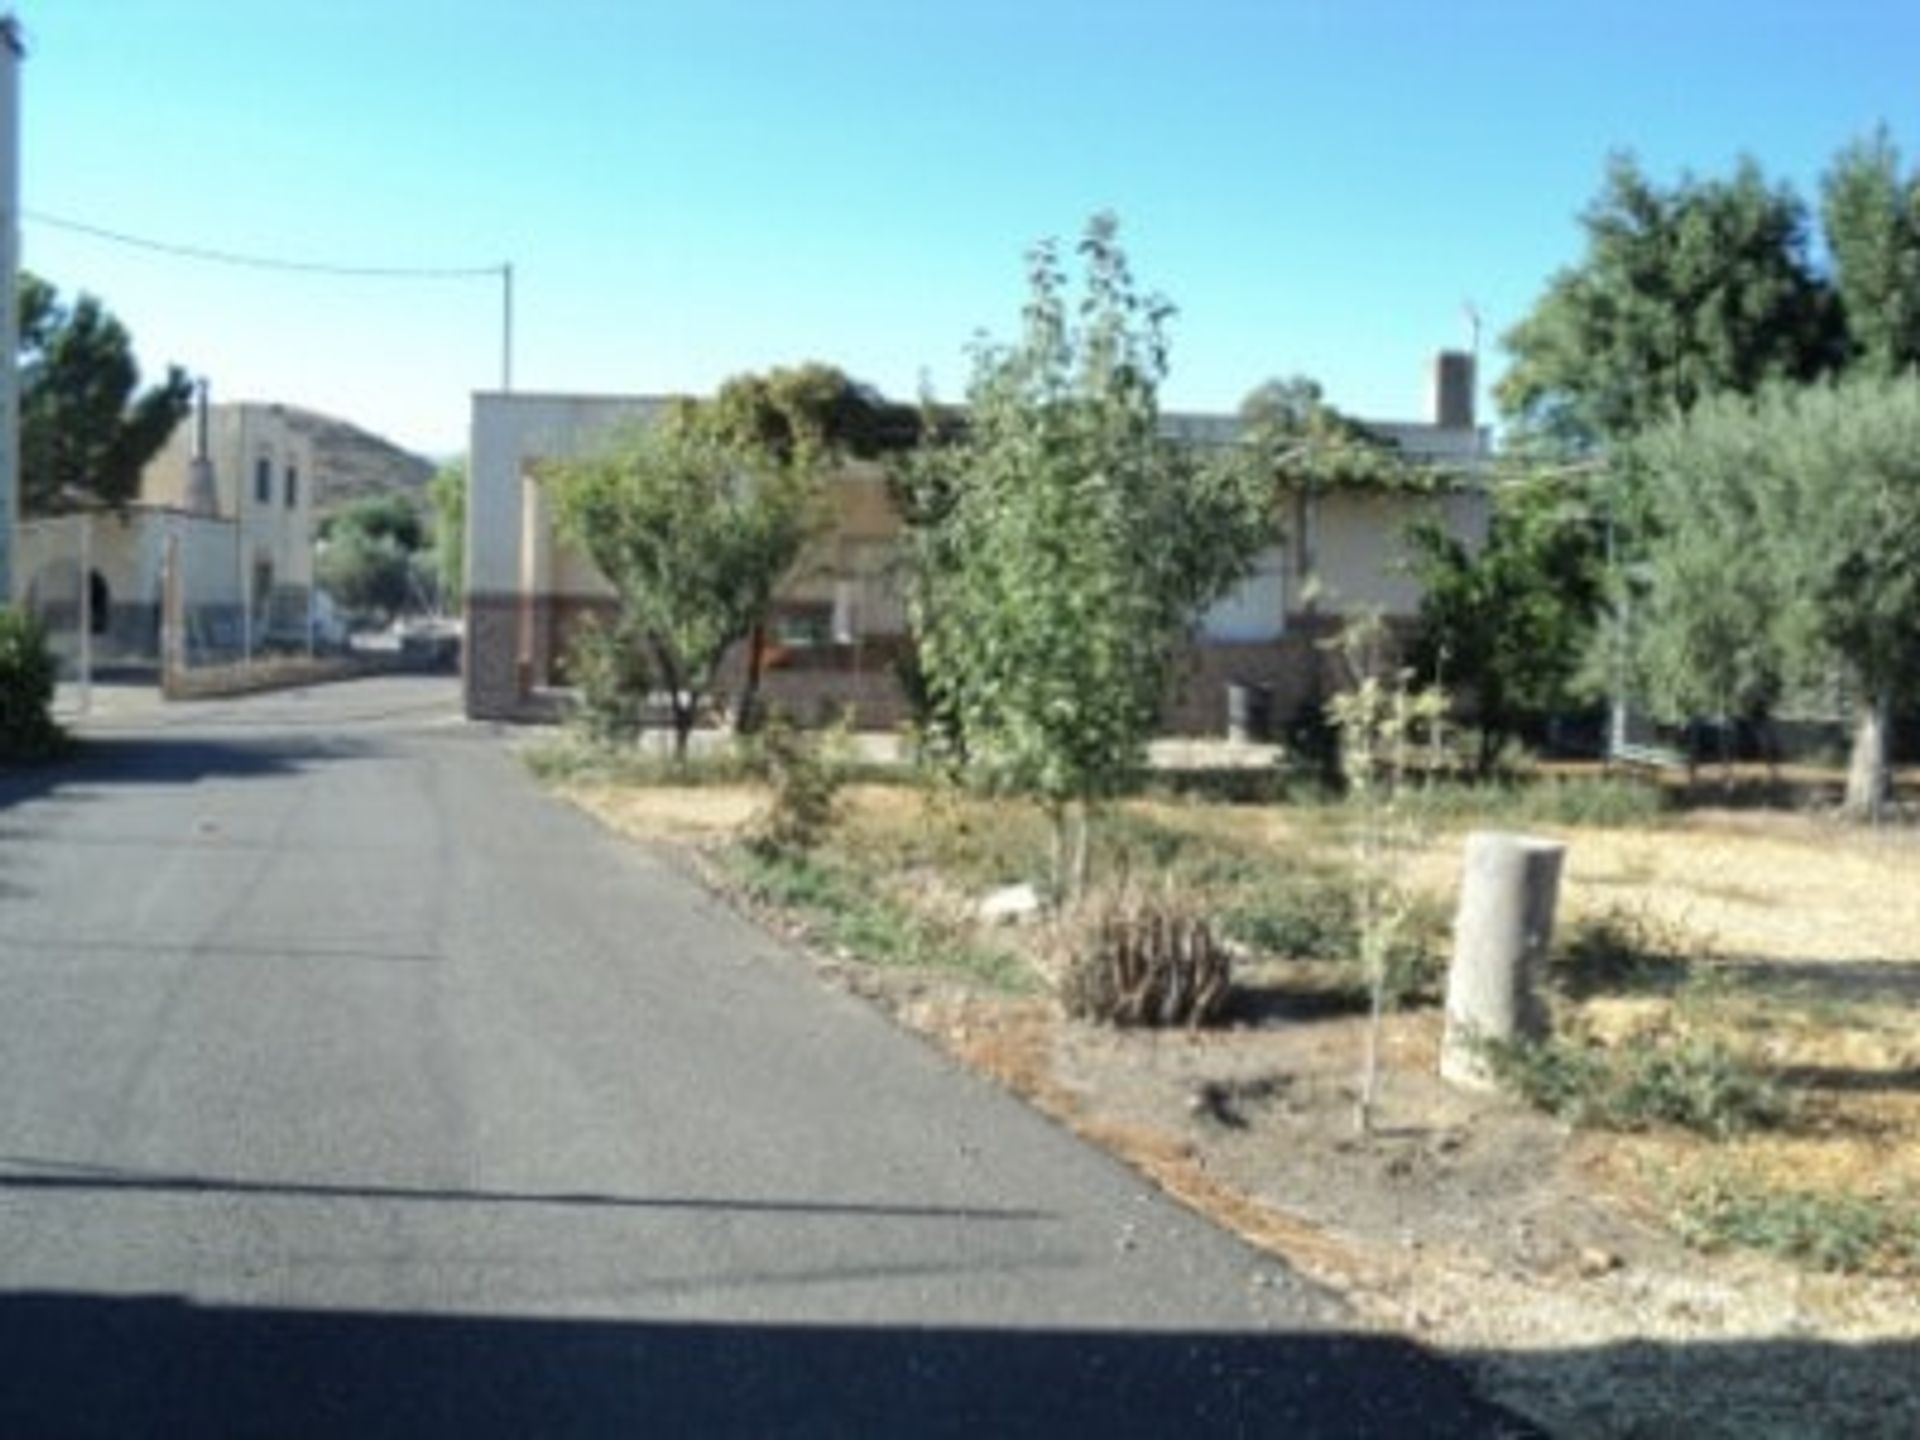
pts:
[1847, 1233]
[1693, 1083]
[849, 910]
[1597, 802]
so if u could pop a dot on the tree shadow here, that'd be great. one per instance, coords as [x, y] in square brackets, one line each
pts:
[141, 760]
[165, 1365]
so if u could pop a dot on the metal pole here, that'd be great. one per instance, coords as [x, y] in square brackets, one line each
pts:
[506, 327]
[10, 52]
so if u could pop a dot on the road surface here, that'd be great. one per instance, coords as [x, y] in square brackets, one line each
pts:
[350, 1085]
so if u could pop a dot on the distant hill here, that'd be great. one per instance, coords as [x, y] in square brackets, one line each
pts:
[350, 462]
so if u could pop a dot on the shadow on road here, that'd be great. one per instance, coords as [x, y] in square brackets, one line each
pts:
[50, 1175]
[137, 1366]
[175, 760]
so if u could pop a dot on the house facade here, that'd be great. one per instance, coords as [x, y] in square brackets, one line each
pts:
[229, 498]
[839, 627]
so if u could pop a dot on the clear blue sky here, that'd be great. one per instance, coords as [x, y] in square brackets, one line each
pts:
[689, 188]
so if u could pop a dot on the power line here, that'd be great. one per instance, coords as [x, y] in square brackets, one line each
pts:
[502, 272]
[262, 262]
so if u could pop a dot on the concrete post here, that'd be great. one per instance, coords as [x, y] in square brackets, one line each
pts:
[1508, 891]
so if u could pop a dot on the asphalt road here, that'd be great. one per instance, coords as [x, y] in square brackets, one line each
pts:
[349, 1085]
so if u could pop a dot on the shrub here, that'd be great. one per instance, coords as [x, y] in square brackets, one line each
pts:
[1303, 917]
[1315, 915]
[1146, 963]
[1621, 950]
[27, 730]
[608, 666]
[1693, 1083]
[803, 782]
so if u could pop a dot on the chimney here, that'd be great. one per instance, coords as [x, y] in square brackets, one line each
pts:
[1453, 390]
[203, 496]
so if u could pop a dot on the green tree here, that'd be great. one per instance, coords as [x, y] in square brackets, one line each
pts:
[1508, 623]
[1683, 292]
[694, 531]
[1784, 550]
[369, 554]
[368, 574]
[386, 515]
[1071, 545]
[86, 426]
[808, 417]
[1871, 215]
[447, 498]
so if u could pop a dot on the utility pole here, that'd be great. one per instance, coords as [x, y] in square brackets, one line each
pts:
[11, 52]
[506, 327]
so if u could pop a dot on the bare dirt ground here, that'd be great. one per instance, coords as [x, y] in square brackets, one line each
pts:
[1543, 1256]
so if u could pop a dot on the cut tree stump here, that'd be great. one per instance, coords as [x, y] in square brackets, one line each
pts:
[1508, 889]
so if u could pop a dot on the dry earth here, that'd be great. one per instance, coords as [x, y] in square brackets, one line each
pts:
[1538, 1255]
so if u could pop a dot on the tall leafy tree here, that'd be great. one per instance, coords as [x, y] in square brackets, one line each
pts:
[1684, 292]
[1507, 624]
[694, 530]
[1784, 550]
[1070, 544]
[87, 428]
[1871, 216]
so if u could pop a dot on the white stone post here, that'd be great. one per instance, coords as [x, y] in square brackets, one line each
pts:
[1508, 890]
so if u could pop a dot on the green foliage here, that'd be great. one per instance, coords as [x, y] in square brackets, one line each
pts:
[1601, 802]
[1872, 221]
[447, 497]
[803, 780]
[607, 664]
[1066, 546]
[805, 413]
[1509, 623]
[1621, 950]
[1684, 292]
[27, 729]
[693, 530]
[1823, 1231]
[1308, 446]
[1694, 1083]
[369, 574]
[85, 424]
[1301, 914]
[383, 516]
[1782, 546]
[851, 911]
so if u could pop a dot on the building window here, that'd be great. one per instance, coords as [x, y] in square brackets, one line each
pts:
[293, 487]
[263, 481]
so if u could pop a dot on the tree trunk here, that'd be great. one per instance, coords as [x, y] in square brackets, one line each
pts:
[1869, 781]
[679, 701]
[1078, 878]
[746, 714]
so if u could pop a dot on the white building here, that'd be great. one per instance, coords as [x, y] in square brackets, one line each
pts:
[231, 494]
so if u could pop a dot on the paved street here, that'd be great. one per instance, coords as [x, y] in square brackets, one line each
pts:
[349, 1085]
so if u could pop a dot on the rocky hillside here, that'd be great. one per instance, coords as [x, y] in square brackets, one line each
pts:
[352, 462]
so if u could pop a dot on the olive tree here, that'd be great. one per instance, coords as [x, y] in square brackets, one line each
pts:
[1783, 548]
